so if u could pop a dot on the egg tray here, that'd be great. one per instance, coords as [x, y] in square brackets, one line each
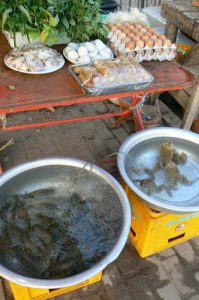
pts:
[111, 90]
[144, 54]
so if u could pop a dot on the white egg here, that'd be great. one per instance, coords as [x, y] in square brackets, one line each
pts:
[105, 54]
[84, 60]
[68, 49]
[93, 54]
[82, 51]
[74, 46]
[90, 46]
[99, 44]
[98, 57]
[73, 55]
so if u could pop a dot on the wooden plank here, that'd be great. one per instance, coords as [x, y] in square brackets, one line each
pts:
[182, 15]
[192, 109]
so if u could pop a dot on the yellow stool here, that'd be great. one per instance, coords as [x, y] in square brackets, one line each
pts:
[152, 231]
[25, 293]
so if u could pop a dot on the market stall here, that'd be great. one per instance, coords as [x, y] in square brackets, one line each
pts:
[75, 217]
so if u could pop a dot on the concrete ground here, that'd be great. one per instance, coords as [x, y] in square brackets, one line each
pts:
[170, 275]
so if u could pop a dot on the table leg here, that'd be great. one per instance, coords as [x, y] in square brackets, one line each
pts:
[139, 118]
[192, 108]
[171, 31]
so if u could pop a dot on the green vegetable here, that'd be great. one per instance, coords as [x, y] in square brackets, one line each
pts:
[78, 20]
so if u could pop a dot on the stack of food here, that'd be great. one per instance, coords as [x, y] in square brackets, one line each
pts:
[143, 42]
[85, 53]
[106, 74]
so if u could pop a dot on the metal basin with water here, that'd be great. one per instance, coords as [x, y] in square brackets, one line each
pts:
[65, 175]
[141, 151]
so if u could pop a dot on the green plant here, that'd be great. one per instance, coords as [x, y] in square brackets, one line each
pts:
[84, 20]
[77, 19]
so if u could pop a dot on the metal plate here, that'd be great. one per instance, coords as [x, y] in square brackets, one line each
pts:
[141, 151]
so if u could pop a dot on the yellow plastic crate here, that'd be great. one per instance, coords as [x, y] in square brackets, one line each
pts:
[26, 293]
[152, 232]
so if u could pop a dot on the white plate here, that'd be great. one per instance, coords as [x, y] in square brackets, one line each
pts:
[45, 71]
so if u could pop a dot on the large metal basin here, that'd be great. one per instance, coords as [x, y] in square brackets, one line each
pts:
[141, 151]
[57, 173]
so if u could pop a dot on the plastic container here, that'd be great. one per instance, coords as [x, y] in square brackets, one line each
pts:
[153, 231]
[182, 49]
[109, 76]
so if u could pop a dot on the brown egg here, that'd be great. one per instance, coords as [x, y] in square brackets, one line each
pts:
[130, 35]
[134, 30]
[167, 42]
[154, 37]
[126, 31]
[149, 43]
[118, 24]
[162, 37]
[122, 28]
[131, 45]
[145, 37]
[143, 30]
[140, 44]
[150, 30]
[126, 40]
[135, 38]
[110, 26]
[127, 24]
[140, 34]
[138, 26]
[132, 27]
[158, 43]
[113, 28]
[121, 36]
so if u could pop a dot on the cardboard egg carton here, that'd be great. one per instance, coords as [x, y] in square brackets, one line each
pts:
[140, 41]
[146, 53]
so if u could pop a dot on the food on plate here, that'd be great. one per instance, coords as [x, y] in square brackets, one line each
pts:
[111, 73]
[35, 59]
[168, 164]
[87, 52]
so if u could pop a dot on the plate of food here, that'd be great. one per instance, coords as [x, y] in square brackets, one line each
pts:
[34, 59]
[85, 53]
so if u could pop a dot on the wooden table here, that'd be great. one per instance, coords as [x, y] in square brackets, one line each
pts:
[34, 92]
[181, 15]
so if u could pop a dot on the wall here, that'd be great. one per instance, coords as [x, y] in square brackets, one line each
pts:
[126, 4]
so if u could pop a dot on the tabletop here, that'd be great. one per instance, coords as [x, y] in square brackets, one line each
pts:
[60, 86]
[184, 15]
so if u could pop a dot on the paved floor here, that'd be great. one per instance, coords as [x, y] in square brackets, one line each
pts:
[170, 275]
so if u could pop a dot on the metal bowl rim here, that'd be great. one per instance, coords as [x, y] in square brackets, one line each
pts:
[101, 265]
[147, 134]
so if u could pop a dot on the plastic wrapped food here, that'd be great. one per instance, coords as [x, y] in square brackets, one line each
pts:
[109, 75]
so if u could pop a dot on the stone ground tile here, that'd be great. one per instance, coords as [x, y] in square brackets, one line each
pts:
[168, 292]
[130, 277]
[185, 251]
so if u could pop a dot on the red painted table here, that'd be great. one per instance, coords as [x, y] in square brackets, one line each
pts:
[35, 92]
